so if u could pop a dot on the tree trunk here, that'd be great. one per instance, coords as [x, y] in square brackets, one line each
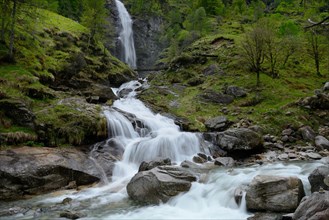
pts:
[12, 33]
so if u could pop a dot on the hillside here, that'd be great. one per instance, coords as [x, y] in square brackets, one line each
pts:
[51, 94]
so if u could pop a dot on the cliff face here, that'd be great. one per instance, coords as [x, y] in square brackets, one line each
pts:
[147, 34]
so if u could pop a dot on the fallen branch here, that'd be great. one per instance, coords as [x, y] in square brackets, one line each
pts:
[323, 22]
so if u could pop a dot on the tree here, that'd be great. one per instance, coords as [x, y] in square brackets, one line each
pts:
[93, 17]
[316, 48]
[253, 49]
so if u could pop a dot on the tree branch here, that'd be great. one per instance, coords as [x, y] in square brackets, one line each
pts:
[313, 24]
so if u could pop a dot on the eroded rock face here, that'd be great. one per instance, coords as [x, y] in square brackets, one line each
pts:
[315, 207]
[159, 184]
[274, 193]
[317, 177]
[31, 171]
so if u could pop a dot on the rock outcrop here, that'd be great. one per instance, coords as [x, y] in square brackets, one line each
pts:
[314, 207]
[159, 184]
[274, 194]
[316, 178]
[31, 171]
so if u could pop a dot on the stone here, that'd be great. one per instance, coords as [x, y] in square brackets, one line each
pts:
[219, 123]
[238, 139]
[18, 111]
[236, 91]
[159, 184]
[307, 132]
[198, 159]
[33, 170]
[215, 97]
[283, 157]
[213, 69]
[314, 207]
[238, 194]
[224, 161]
[72, 214]
[316, 178]
[287, 216]
[314, 156]
[265, 216]
[144, 166]
[274, 193]
[321, 143]
[287, 132]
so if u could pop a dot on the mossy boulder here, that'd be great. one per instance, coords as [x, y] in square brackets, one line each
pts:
[71, 121]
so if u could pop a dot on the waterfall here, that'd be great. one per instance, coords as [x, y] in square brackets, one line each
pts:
[126, 36]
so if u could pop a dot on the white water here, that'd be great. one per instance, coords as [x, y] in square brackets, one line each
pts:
[126, 36]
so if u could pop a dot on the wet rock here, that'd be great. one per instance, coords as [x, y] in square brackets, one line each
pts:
[274, 193]
[224, 161]
[321, 143]
[31, 171]
[316, 178]
[72, 214]
[314, 156]
[314, 207]
[219, 123]
[236, 91]
[99, 94]
[159, 184]
[238, 139]
[287, 216]
[238, 194]
[307, 133]
[13, 211]
[198, 159]
[144, 166]
[266, 216]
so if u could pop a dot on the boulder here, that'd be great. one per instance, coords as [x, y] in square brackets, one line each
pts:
[326, 86]
[321, 143]
[72, 214]
[31, 171]
[314, 207]
[215, 97]
[213, 69]
[274, 194]
[236, 91]
[144, 166]
[307, 133]
[239, 139]
[224, 161]
[316, 178]
[219, 123]
[159, 184]
[17, 111]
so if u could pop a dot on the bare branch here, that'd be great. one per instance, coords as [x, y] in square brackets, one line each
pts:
[317, 23]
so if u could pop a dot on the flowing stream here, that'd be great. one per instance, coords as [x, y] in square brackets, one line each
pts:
[156, 136]
[126, 36]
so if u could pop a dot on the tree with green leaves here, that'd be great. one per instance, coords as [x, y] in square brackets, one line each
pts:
[94, 18]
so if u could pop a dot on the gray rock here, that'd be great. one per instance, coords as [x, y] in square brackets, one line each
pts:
[321, 143]
[144, 166]
[212, 70]
[239, 139]
[274, 194]
[224, 161]
[198, 159]
[283, 157]
[308, 133]
[314, 156]
[72, 214]
[215, 97]
[287, 132]
[159, 184]
[316, 178]
[31, 171]
[315, 207]
[238, 194]
[219, 123]
[236, 91]
[265, 216]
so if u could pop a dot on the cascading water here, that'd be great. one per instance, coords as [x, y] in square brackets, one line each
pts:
[126, 36]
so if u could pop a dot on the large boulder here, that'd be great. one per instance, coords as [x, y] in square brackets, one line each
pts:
[159, 184]
[316, 178]
[30, 171]
[236, 140]
[307, 133]
[321, 143]
[315, 207]
[216, 97]
[274, 194]
[144, 166]
[219, 123]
